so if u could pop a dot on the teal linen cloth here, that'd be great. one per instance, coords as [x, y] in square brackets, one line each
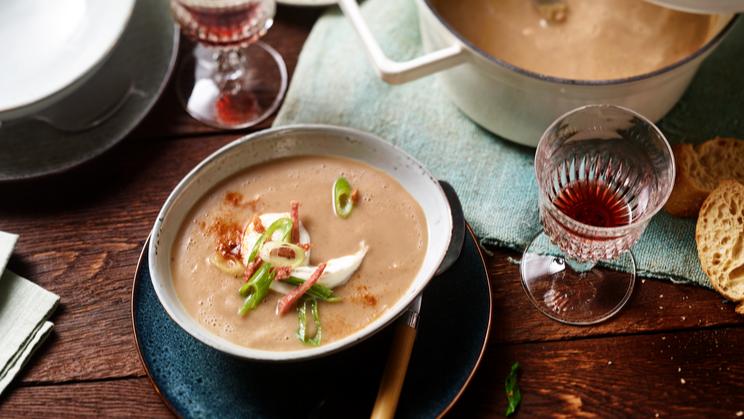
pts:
[334, 84]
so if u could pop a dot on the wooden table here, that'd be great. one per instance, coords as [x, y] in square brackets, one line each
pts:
[675, 350]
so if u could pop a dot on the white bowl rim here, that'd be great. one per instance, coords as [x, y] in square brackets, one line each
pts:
[712, 42]
[372, 328]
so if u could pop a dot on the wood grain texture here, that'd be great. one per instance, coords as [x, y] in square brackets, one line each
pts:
[108, 399]
[81, 239]
[82, 232]
[654, 306]
[683, 374]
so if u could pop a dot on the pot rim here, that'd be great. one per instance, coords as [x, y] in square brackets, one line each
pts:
[708, 46]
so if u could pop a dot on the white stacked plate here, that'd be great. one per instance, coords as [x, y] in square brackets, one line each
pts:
[76, 76]
[50, 47]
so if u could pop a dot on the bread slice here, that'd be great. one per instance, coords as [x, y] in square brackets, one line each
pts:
[720, 240]
[699, 169]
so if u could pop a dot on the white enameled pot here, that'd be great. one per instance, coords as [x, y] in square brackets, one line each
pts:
[297, 140]
[515, 103]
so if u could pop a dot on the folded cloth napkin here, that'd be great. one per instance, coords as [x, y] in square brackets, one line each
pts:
[334, 83]
[7, 243]
[24, 309]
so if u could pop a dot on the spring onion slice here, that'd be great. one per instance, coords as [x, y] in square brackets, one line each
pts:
[302, 319]
[271, 253]
[513, 395]
[283, 225]
[318, 291]
[261, 271]
[342, 202]
[256, 289]
[229, 266]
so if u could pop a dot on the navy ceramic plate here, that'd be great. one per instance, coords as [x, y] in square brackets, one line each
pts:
[195, 380]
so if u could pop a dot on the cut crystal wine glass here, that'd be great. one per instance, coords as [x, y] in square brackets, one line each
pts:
[602, 172]
[232, 80]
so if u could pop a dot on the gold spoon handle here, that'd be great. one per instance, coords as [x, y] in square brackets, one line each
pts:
[395, 372]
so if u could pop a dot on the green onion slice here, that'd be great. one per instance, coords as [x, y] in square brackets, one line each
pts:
[256, 289]
[229, 266]
[513, 395]
[283, 225]
[313, 340]
[318, 291]
[342, 202]
[285, 255]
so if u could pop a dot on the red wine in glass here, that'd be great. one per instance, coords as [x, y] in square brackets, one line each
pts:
[595, 203]
[232, 80]
[222, 23]
[602, 172]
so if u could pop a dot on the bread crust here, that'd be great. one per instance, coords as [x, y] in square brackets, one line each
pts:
[687, 195]
[691, 189]
[716, 251]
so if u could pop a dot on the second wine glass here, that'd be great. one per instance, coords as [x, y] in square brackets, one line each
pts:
[602, 172]
[232, 80]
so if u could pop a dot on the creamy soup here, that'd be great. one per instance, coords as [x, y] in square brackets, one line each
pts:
[386, 227]
[599, 39]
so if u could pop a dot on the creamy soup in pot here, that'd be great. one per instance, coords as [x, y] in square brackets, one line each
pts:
[599, 39]
[245, 254]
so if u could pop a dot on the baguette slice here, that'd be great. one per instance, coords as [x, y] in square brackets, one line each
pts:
[699, 169]
[720, 240]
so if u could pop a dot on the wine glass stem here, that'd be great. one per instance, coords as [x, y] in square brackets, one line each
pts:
[230, 69]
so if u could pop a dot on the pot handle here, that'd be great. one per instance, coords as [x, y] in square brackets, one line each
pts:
[395, 72]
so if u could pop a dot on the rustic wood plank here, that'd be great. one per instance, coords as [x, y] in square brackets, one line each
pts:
[654, 305]
[287, 36]
[81, 237]
[101, 399]
[687, 374]
[693, 373]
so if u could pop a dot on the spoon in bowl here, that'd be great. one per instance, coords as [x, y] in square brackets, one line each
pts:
[405, 333]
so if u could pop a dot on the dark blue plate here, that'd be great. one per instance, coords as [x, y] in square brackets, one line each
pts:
[195, 380]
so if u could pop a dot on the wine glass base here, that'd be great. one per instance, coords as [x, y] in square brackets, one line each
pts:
[571, 292]
[249, 96]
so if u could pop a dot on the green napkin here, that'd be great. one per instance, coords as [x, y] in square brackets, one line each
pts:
[334, 83]
[7, 243]
[24, 309]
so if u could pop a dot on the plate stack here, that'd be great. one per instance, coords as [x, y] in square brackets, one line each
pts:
[77, 76]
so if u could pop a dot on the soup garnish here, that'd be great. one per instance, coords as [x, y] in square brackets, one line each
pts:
[343, 197]
[245, 268]
[278, 260]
